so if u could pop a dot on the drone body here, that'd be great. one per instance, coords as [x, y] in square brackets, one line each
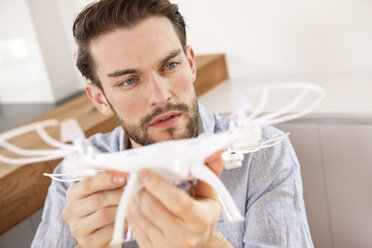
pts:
[171, 159]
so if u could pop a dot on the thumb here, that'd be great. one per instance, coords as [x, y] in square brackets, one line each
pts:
[215, 164]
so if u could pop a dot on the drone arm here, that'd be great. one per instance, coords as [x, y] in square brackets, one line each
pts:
[229, 210]
[131, 188]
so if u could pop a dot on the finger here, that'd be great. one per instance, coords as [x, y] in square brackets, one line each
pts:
[103, 236]
[215, 164]
[95, 221]
[117, 173]
[91, 185]
[157, 213]
[175, 200]
[153, 232]
[171, 227]
[99, 238]
[92, 203]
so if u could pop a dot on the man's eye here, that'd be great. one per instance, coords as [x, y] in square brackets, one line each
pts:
[128, 82]
[171, 65]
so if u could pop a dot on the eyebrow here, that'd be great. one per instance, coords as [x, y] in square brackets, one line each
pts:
[170, 56]
[121, 73]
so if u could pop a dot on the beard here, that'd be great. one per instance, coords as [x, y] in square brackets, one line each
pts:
[139, 133]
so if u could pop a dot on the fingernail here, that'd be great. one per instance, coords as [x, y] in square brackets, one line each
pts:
[144, 176]
[118, 180]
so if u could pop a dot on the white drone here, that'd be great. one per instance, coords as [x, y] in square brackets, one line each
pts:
[243, 136]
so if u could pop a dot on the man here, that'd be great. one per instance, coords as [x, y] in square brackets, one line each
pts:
[134, 52]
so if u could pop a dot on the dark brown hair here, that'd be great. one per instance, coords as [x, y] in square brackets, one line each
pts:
[105, 16]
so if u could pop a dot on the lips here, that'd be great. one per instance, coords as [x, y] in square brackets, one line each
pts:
[165, 119]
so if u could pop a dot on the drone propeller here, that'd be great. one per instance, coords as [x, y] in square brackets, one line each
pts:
[37, 155]
[256, 118]
[292, 110]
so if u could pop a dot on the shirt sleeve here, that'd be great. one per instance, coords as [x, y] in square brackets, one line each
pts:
[275, 210]
[53, 231]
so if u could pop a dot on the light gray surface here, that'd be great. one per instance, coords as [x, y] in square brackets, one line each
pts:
[306, 141]
[22, 234]
[348, 171]
[337, 170]
[13, 115]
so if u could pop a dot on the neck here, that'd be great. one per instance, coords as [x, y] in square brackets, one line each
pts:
[133, 144]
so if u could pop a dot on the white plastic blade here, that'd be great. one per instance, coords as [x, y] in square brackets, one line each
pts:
[132, 187]
[229, 209]
[27, 128]
[71, 131]
[306, 92]
[57, 155]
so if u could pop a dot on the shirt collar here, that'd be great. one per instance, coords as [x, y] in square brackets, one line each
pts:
[206, 120]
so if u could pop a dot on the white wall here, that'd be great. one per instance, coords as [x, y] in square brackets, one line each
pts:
[36, 57]
[69, 9]
[55, 48]
[266, 39]
[23, 77]
[270, 38]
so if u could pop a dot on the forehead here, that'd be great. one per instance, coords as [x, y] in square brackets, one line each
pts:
[142, 45]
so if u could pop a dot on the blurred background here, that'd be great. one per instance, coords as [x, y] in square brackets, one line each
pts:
[326, 42]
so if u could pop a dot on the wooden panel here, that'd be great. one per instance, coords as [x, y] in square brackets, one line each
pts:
[306, 142]
[23, 188]
[348, 170]
[211, 71]
[23, 192]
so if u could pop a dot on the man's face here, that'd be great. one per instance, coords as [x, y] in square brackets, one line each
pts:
[147, 80]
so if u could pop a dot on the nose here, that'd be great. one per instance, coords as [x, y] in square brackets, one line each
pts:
[159, 91]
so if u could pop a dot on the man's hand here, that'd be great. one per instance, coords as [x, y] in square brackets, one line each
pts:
[162, 215]
[91, 209]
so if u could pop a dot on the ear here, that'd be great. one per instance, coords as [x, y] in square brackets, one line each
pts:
[190, 56]
[99, 99]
